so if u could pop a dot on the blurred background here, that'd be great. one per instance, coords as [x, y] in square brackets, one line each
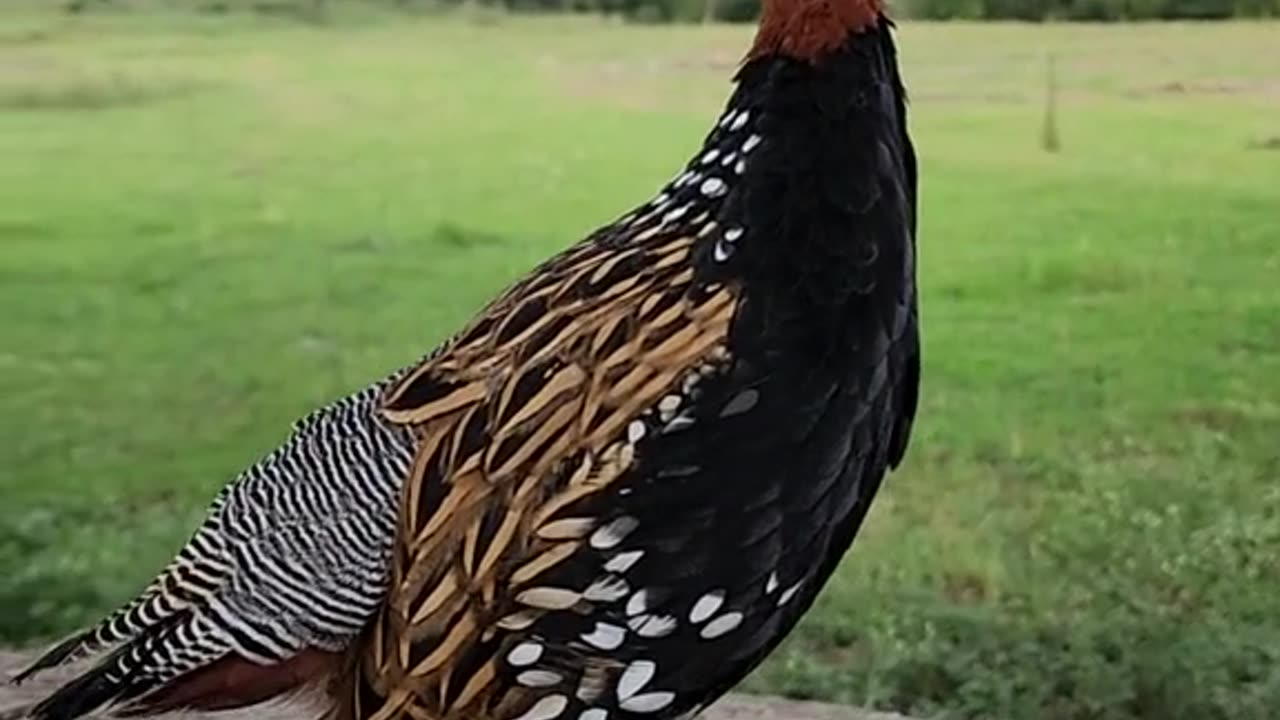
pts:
[216, 215]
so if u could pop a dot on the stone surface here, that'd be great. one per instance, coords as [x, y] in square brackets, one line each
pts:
[734, 707]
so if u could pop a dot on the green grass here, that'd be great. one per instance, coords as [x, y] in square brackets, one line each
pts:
[211, 226]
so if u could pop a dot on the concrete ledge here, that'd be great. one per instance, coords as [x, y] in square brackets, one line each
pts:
[734, 707]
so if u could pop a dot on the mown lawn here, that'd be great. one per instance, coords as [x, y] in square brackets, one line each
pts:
[211, 225]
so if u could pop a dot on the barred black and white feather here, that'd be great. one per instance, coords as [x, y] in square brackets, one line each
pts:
[293, 556]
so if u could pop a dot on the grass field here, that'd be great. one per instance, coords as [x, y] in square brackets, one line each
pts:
[211, 225]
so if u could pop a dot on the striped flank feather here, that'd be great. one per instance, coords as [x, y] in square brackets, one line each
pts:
[292, 557]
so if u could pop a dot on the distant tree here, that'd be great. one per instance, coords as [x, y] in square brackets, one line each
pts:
[738, 10]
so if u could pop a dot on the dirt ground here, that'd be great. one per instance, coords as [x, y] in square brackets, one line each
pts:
[735, 707]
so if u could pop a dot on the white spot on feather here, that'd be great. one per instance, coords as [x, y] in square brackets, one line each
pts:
[653, 626]
[721, 625]
[751, 143]
[605, 636]
[683, 422]
[740, 121]
[635, 431]
[623, 561]
[714, 187]
[611, 535]
[771, 584]
[723, 252]
[635, 677]
[690, 382]
[547, 708]
[676, 214]
[594, 714]
[787, 594]
[518, 620]
[706, 606]
[526, 653]
[538, 678]
[638, 603]
[649, 702]
[668, 406]
[609, 588]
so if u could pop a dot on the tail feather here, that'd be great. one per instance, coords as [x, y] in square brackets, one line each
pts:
[123, 625]
[77, 698]
[112, 680]
[64, 652]
[288, 567]
[149, 663]
[186, 582]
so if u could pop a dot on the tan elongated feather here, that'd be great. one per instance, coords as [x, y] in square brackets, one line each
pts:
[522, 415]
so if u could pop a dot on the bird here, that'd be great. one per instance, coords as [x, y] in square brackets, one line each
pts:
[619, 487]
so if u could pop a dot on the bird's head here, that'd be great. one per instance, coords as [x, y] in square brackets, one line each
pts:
[809, 29]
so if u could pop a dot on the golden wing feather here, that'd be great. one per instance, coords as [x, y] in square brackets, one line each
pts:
[523, 414]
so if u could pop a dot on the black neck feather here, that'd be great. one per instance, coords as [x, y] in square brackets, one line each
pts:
[829, 199]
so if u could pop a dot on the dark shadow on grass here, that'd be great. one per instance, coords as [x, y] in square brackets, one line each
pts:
[445, 234]
[93, 94]
[20, 38]
[1268, 143]
[21, 230]
[462, 237]
[307, 11]
[1084, 277]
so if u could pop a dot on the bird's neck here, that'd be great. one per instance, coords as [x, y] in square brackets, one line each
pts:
[829, 197]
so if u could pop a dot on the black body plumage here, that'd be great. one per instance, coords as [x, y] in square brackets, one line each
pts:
[759, 499]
